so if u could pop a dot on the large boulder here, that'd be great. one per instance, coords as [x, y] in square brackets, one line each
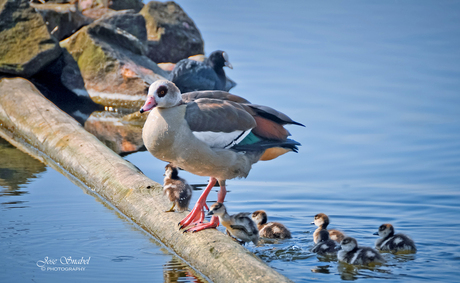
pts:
[26, 45]
[111, 60]
[172, 34]
[62, 20]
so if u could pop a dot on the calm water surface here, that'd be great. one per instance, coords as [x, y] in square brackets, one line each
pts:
[377, 86]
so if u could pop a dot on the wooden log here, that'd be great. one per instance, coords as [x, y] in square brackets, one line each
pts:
[34, 124]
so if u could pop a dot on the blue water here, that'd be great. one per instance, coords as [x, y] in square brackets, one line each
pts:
[377, 85]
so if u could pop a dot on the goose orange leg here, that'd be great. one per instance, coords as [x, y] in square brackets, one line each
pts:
[197, 214]
[199, 225]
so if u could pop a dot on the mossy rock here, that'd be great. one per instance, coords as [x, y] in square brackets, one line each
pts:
[62, 20]
[172, 34]
[111, 61]
[26, 46]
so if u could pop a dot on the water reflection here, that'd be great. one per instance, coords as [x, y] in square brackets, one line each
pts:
[112, 129]
[354, 272]
[16, 169]
[176, 271]
[325, 269]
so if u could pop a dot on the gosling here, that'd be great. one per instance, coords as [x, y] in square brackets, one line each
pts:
[322, 220]
[177, 189]
[325, 245]
[350, 253]
[239, 226]
[391, 242]
[273, 230]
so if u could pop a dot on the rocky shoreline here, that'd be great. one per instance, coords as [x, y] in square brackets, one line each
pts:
[98, 50]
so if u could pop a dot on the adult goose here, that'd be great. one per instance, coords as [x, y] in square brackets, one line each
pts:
[211, 133]
[191, 75]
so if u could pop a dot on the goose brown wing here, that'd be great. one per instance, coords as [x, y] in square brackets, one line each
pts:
[216, 115]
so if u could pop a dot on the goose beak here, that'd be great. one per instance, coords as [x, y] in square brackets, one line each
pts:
[228, 64]
[210, 213]
[312, 223]
[149, 104]
[376, 233]
[338, 248]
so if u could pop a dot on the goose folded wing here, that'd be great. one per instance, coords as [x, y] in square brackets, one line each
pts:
[213, 94]
[218, 123]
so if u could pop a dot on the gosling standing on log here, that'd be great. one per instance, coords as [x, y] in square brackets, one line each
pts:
[238, 225]
[177, 189]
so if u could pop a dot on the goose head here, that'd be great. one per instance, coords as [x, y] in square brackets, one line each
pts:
[162, 94]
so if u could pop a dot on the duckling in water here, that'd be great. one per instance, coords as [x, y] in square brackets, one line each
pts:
[240, 225]
[350, 253]
[325, 245]
[322, 220]
[177, 189]
[389, 242]
[273, 230]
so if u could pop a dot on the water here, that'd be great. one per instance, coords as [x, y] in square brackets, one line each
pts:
[46, 221]
[377, 86]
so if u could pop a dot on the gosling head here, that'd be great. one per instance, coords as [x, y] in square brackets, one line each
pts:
[171, 172]
[385, 230]
[259, 217]
[348, 244]
[217, 209]
[321, 220]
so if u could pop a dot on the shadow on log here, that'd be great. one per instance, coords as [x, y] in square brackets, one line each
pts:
[32, 123]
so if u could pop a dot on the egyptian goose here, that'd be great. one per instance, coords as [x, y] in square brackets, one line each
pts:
[211, 133]
[273, 230]
[325, 245]
[391, 242]
[322, 220]
[191, 75]
[350, 253]
[177, 189]
[239, 226]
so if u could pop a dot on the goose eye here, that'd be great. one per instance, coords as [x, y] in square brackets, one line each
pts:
[162, 91]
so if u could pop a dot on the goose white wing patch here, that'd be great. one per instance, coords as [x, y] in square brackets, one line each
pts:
[221, 139]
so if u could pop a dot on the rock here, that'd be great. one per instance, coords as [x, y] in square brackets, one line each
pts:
[128, 21]
[62, 20]
[116, 134]
[96, 13]
[172, 35]
[26, 46]
[71, 76]
[111, 61]
[48, 81]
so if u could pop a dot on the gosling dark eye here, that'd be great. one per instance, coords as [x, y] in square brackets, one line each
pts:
[162, 91]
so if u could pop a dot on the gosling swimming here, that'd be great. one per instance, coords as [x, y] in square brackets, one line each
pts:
[177, 189]
[322, 220]
[325, 245]
[350, 253]
[391, 242]
[273, 230]
[240, 225]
